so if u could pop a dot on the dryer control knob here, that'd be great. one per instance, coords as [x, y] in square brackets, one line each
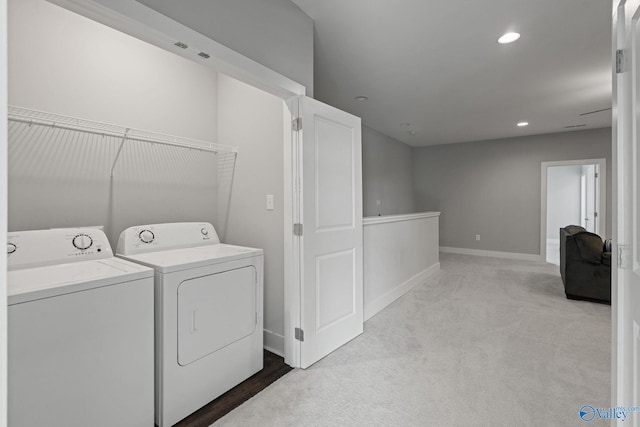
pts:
[11, 248]
[146, 236]
[82, 242]
[204, 231]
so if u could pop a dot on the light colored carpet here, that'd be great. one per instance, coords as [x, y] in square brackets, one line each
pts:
[484, 342]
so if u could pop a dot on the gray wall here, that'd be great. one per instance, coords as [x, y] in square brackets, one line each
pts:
[60, 179]
[253, 121]
[492, 188]
[386, 175]
[63, 63]
[275, 33]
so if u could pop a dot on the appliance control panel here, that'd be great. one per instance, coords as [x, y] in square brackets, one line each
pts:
[37, 248]
[163, 237]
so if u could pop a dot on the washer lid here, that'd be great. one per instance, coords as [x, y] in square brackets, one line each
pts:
[31, 284]
[187, 258]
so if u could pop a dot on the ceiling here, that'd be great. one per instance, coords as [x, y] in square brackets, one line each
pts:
[436, 65]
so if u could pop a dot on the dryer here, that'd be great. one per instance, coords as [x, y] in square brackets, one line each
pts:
[208, 318]
[80, 332]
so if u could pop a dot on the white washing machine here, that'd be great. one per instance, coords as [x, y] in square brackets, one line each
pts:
[80, 332]
[208, 312]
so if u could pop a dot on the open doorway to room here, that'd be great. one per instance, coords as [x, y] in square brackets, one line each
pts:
[573, 193]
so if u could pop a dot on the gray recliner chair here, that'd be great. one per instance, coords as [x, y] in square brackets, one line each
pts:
[585, 265]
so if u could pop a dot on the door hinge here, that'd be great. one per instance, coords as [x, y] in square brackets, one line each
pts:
[296, 124]
[595, 214]
[297, 229]
[623, 257]
[620, 61]
[299, 333]
[596, 174]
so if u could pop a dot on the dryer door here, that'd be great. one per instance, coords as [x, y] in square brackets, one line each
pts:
[215, 311]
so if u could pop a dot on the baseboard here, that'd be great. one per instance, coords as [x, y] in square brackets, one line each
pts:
[377, 305]
[273, 342]
[493, 254]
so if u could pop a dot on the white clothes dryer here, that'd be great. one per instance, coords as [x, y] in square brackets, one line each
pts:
[209, 312]
[80, 332]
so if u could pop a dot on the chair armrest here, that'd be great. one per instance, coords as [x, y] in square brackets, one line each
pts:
[589, 246]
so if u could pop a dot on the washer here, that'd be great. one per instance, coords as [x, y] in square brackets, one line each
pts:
[80, 332]
[208, 300]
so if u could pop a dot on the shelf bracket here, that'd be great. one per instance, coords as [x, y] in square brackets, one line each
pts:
[115, 161]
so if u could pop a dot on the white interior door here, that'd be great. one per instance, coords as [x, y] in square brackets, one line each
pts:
[330, 172]
[626, 277]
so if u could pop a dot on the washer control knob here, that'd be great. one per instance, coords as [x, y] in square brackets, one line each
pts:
[146, 236]
[204, 231]
[11, 248]
[82, 242]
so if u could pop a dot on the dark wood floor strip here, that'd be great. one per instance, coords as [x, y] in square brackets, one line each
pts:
[274, 368]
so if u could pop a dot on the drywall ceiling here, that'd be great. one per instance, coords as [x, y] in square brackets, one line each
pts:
[437, 65]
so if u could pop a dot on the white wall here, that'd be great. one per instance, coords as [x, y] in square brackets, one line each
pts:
[492, 188]
[387, 175]
[252, 120]
[63, 63]
[563, 198]
[400, 251]
[275, 33]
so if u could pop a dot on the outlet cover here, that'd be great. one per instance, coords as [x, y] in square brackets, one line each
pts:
[477, 237]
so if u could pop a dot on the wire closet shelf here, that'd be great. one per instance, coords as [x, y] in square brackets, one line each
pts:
[34, 117]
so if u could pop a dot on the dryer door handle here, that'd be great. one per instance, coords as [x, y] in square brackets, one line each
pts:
[193, 322]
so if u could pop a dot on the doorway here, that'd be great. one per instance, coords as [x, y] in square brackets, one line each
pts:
[573, 193]
[281, 161]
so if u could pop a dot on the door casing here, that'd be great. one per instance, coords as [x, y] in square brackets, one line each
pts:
[602, 203]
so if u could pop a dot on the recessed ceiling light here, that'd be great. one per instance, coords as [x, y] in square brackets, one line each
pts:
[522, 124]
[508, 38]
[412, 132]
[361, 98]
[405, 124]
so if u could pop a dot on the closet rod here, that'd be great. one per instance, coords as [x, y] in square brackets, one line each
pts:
[211, 148]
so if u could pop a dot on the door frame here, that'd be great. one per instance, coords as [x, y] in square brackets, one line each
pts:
[139, 21]
[3, 211]
[602, 202]
[625, 248]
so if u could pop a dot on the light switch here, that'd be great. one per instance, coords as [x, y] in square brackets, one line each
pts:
[269, 202]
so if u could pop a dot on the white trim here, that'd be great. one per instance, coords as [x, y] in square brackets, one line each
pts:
[377, 305]
[144, 23]
[273, 342]
[602, 190]
[370, 220]
[292, 247]
[492, 254]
